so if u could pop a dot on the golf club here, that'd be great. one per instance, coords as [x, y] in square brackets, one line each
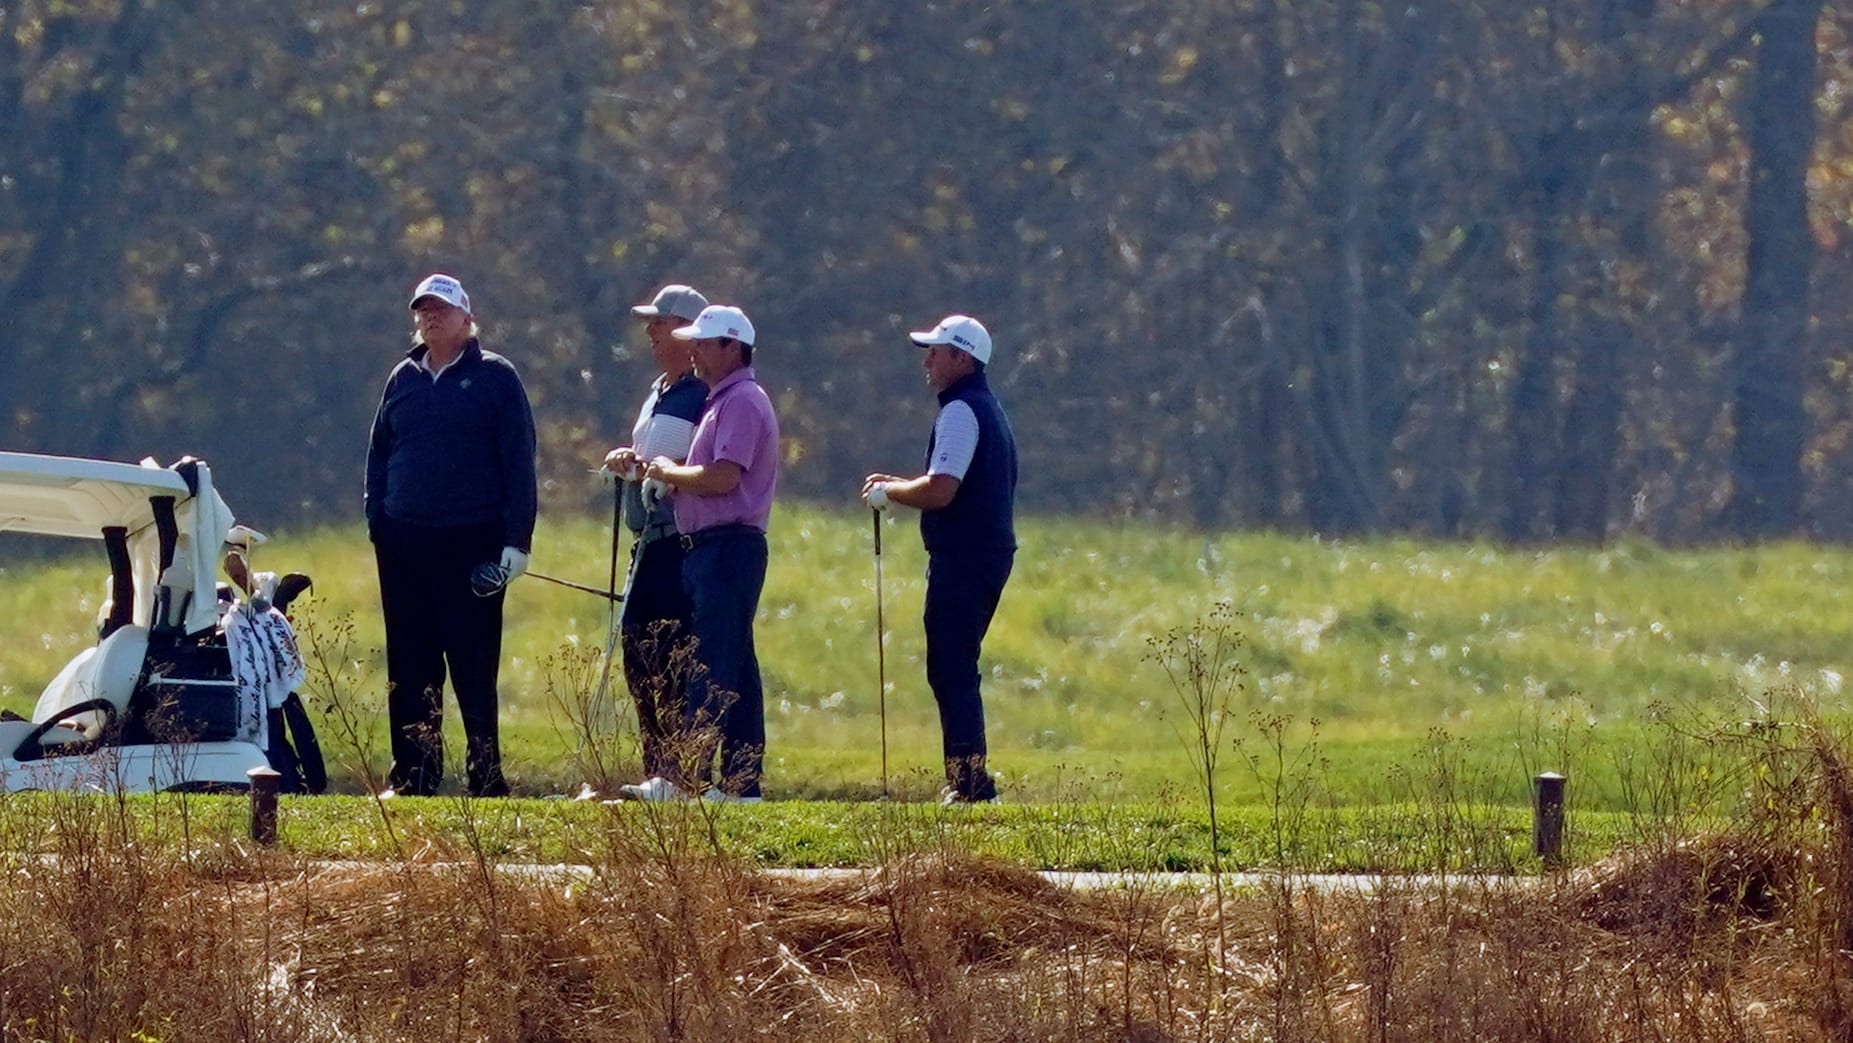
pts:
[606, 594]
[617, 526]
[881, 656]
[595, 712]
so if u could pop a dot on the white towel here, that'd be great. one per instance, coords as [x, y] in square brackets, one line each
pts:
[265, 662]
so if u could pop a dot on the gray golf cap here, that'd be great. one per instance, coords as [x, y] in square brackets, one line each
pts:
[676, 301]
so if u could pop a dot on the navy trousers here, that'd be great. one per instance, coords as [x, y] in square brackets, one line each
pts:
[434, 621]
[723, 572]
[963, 588]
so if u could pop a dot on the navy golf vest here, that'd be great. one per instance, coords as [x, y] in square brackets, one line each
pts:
[981, 515]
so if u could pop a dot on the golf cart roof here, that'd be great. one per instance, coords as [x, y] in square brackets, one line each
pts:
[68, 496]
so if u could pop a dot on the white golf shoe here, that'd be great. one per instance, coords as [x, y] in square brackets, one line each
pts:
[655, 788]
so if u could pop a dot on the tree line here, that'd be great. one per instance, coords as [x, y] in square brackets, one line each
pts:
[1492, 268]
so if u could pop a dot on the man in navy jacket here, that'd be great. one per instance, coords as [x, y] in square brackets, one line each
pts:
[451, 497]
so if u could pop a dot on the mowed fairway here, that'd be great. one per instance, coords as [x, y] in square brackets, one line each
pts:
[1411, 657]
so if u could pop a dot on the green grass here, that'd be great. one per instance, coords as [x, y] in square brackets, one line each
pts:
[1483, 663]
[1090, 837]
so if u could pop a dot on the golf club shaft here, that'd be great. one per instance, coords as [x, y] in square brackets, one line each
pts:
[607, 595]
[595, 712]
[617, 527]
[611, 639]
[881, 657]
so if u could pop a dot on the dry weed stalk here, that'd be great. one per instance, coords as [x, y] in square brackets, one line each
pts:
[1201, 663]
[601, 738]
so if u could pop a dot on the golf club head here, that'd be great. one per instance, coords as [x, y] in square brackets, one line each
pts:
[488, 578]
[289, 588]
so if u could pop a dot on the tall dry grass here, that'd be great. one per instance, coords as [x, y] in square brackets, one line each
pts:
[1739, 934]
[916, 950]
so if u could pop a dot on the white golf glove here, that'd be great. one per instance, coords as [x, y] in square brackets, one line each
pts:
[654, 489]
[514, 562]
[878, 496]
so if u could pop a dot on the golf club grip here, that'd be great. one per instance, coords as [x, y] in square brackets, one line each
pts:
[875, 516]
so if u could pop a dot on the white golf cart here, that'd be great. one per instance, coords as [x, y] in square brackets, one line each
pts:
[155, 704]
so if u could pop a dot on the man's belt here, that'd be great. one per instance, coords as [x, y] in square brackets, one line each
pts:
[691, 540]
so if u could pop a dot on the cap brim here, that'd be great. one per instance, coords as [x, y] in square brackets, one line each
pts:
[645, 311]
[926, 339]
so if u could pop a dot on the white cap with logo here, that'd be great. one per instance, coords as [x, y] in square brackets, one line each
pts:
[718, 320]
[676, 301]
[962, 332]
[445, 288]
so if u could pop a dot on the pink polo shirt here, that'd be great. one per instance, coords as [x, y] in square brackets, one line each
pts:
[738, 425]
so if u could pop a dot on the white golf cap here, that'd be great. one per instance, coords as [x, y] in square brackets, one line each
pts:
[445, 288]
[718, 320]
[676, 301]
[962, 332]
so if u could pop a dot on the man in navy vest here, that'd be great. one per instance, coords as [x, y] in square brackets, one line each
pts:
[966, 501]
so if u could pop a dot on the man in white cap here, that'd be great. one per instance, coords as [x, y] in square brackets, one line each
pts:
[966, 500]
[655, 612]
[451, 500]
[723, 500]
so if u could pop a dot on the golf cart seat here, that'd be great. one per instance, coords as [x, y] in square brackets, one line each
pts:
[102, 677]
[85, 699]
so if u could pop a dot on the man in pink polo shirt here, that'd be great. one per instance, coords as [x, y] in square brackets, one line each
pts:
[723, 499]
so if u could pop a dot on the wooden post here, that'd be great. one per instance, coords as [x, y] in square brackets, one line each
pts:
[1547, 818]
[264, 782]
